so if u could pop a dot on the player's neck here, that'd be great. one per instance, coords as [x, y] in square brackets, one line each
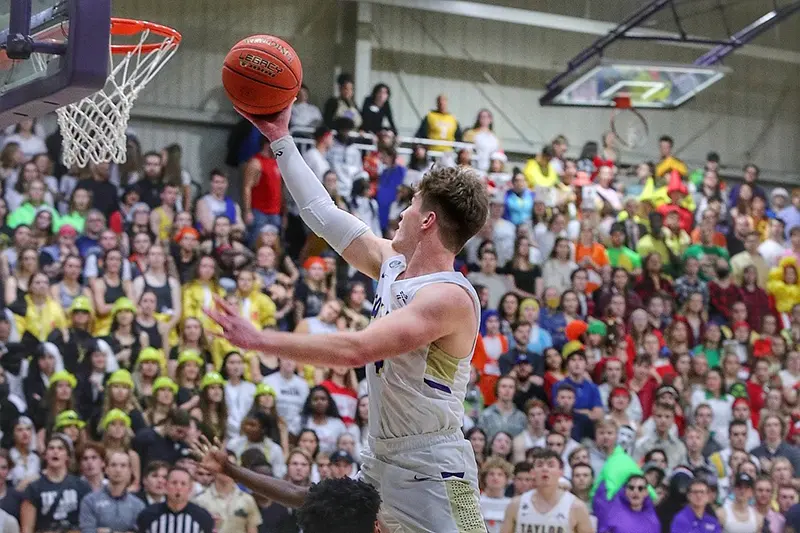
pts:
[428, 259]
[548, 493]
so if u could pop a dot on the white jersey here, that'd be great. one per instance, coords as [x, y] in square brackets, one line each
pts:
[529, 520]
[422, 391]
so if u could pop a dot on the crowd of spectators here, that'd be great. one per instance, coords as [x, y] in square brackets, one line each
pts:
[653, 314]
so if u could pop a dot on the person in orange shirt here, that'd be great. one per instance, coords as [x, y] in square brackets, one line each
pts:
[592, 256]
[709, 220]
[490, 346]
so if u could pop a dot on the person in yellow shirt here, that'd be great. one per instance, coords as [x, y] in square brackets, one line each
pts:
[668, 161]
[198, 294]
[539, 171]
[748, 257]
[39, 314]
[440, 125]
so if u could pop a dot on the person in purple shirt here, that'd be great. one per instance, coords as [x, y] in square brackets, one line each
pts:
[631, 509]
[587, 395]
[697, 516]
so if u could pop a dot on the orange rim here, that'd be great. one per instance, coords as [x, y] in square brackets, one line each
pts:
[127, 27]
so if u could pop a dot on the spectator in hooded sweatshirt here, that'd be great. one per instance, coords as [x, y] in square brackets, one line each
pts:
[631, 509]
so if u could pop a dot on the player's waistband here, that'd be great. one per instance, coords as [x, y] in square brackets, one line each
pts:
[380, 446]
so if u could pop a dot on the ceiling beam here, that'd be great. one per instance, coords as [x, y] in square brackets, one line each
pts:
[552, 21]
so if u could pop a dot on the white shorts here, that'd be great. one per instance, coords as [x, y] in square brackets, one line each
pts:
[427, 484]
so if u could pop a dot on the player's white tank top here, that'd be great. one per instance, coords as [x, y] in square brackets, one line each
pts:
[734, 525]
[529, 520]
[422, 391]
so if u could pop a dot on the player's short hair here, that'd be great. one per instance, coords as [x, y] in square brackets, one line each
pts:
[460, 200]
[340, 506]
[547, 453]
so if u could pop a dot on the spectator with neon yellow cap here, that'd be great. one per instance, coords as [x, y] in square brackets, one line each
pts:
[192, 335]
[73, 340]
[117, 435]
[162, 401]
[149, 365]
[70, 424]
[59, 398]
[265, 401]
[188, 376]
[124, 336]
[213, 408]
[119, 394]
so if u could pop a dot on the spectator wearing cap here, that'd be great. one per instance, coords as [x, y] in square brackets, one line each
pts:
[791, 213]
[52, 502]
[166, 442]
[587, 395]
[256, 428]
[440, 125]
[341, 464]
[738, 515]
[503, 415]
[112, 507]
[64, 245]
[233, 510]
[662, 438]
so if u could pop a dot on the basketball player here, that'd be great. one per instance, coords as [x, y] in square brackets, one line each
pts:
[418, 347]
[547, 508]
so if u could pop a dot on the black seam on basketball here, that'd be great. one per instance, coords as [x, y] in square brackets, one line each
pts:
[278, 59]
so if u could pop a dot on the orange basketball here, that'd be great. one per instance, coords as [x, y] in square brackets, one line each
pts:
[262, 74]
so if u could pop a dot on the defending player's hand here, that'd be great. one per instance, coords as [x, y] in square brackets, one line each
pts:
[212, 457]
[236, 329]
[273, 127]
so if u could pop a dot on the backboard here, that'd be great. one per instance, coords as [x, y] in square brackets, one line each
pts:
[69, 59]
[648, 84]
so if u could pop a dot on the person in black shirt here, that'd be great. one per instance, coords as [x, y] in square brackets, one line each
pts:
[51, 503]
[10, 498]
[180, 513]
[377, 110]
[104, 193]
[165, 442]
[149, 186]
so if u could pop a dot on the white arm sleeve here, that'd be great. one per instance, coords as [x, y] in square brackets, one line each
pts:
[339, 228]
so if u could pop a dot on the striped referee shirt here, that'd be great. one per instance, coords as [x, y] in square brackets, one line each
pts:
[158, 518]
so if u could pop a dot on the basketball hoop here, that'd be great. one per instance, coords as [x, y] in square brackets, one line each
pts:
[627, 124]
[94, 128]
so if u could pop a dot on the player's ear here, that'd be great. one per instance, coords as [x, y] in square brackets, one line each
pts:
[378, 527]
[428, 219]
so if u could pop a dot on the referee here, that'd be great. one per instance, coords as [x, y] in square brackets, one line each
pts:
[177, 514]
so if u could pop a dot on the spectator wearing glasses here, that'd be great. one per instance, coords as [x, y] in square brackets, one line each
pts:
[631, 510]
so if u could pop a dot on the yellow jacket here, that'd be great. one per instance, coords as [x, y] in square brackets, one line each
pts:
[659, 196]
[198, 295]
[671, 163]
[786, 296]
[536, 177]
[40, 322]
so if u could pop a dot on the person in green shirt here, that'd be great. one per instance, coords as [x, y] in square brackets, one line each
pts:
[620, 255]
[707, 253]
[79, 206]
[26, 213]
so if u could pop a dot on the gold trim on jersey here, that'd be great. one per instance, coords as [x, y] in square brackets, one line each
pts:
[441, 366]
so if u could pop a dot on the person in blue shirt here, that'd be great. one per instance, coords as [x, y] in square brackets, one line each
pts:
[519, 200]
[697, 516]
[587, 395]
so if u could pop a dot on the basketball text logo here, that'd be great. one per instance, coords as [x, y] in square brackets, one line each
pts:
[259, 64]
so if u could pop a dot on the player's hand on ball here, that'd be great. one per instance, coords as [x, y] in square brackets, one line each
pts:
[273, 127]
[236, 329]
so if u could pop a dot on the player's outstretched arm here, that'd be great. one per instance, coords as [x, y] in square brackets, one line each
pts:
[346, 234]
[510, 517]
[215, 459]
[436, 312]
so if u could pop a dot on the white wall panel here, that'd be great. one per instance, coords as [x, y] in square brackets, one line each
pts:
[447, 54]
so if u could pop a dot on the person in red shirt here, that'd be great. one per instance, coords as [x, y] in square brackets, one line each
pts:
[341, 383]
[677, 191]
[644, 384]
[262, 196]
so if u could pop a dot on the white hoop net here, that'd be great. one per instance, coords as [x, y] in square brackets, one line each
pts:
[94, 128]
